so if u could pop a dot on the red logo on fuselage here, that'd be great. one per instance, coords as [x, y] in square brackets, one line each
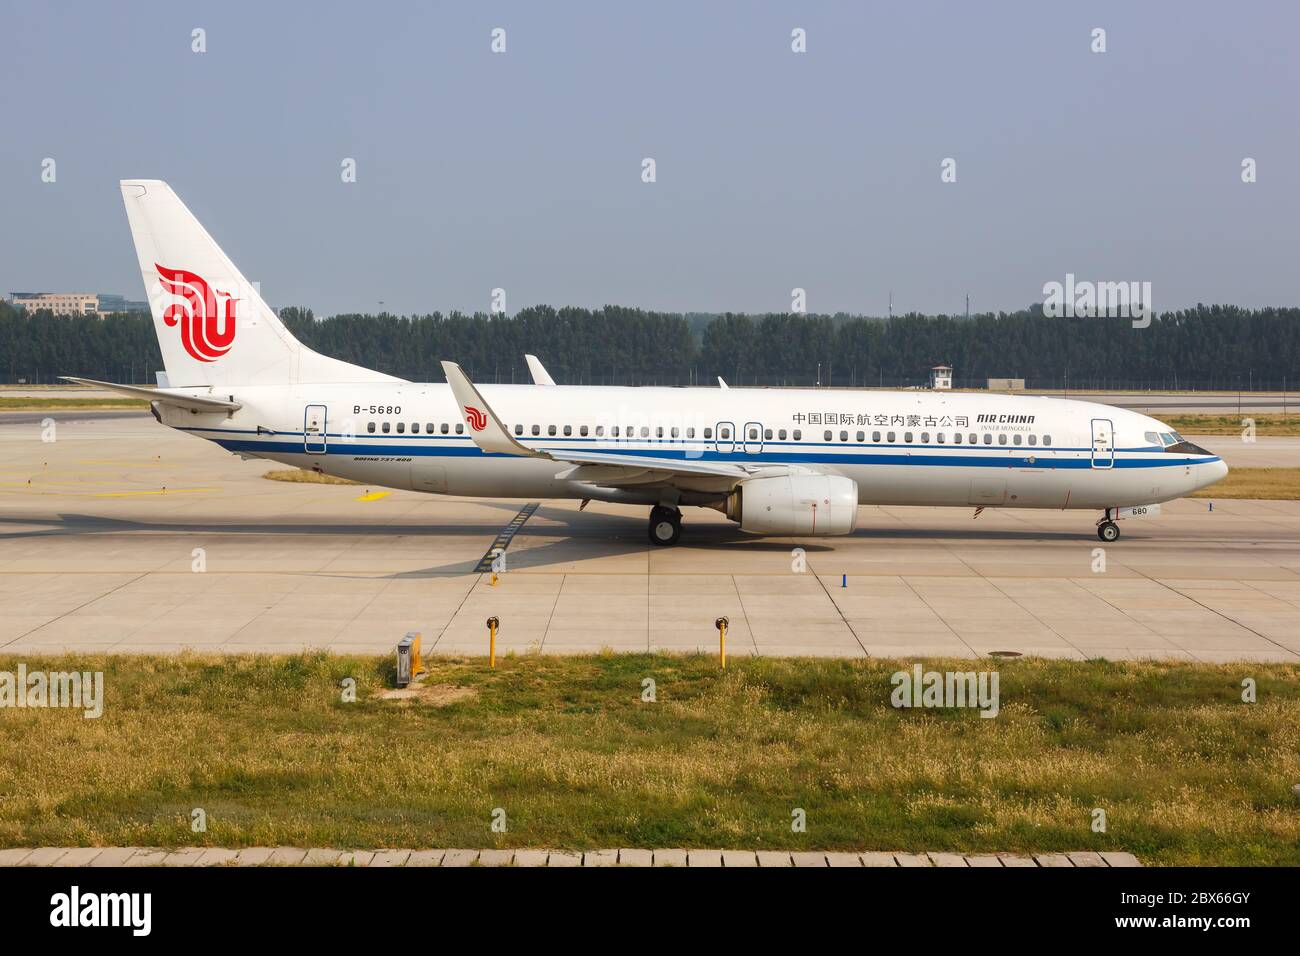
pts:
[204, 334]
[477, 420]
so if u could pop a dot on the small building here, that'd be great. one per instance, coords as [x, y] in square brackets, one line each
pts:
[941, 376]
[60, 303]
[1006, 385]
[75, 303]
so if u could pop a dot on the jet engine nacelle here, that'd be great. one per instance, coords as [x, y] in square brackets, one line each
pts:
[800, 505]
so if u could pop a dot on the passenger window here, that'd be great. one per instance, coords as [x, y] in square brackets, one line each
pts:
[938, 436]
[828, 436]
[781, 434]
[600, 430]
[1033, 439]
[614, 431]
[1002, 439]
[798, 434]
[690, 433]
[988, 439]
[582, 430]
[724, 432]
[385, 427]
[1047, 439]
[956, 438]
[875, 436]
[844, 436]
[675, 433]
[907, 437]
[925, 438]
[1017, 439]
[767, 434]
[371, 428]
[645, 431]
[568, 430]
[890, 438]
[444, 428]
[862, 436]
[429, 427]
[971, 438]
[401, 428]
[708, 433]
[537, 429]
[460, 429]
[550, 429]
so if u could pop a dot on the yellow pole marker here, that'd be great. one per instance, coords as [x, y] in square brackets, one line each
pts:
[492, 624]
[721, 624]
[417, 665]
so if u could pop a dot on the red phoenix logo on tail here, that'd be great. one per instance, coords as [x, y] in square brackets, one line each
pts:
[477, 420]
[203, 333]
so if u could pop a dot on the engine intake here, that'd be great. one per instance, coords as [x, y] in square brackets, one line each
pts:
[803, 505]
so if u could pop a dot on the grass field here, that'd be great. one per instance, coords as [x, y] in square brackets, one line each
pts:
[1265, 425]
[67, 404]
[1266, 483]
[305, 476]
[1186, 772]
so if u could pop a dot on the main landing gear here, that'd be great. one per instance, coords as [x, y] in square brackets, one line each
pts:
[665, 525]
[1107, 529]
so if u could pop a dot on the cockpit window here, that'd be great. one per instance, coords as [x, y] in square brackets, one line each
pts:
[1169, 438]
[1151, 438]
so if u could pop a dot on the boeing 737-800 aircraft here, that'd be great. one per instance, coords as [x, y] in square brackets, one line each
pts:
[790, 462]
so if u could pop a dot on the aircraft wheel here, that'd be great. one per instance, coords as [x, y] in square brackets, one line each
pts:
[1108, 531]
[665, 526]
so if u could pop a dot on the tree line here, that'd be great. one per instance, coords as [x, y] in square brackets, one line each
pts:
[1218, 346]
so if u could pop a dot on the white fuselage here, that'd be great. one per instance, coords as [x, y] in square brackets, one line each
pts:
[907, 448]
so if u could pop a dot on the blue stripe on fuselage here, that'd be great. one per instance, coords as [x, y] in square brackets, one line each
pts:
[976, 458]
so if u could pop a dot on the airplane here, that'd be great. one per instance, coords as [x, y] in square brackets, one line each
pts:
[790, 462]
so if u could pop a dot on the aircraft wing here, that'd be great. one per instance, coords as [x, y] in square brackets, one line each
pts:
[201, 403]
[599, 467]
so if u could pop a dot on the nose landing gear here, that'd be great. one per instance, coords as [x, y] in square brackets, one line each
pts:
[665, 526]
[1107, 529]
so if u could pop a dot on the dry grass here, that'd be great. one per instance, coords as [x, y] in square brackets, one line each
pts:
[1186, 771]
[1267, 483]
[1265, 425]
[304, 476]
[67, 404]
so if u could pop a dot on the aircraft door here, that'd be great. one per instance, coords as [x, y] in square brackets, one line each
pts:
[1103, 443]
[725, 438]
[313, 430]
[753, 438]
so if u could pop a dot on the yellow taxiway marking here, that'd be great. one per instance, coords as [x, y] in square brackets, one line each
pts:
[374, 496]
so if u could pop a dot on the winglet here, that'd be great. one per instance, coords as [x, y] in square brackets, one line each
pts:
[484, 426]
[538, 370]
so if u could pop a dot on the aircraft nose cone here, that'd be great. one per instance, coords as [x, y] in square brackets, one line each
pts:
[1211, 471]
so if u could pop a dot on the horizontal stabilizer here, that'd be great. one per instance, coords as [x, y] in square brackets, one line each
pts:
[201, 403]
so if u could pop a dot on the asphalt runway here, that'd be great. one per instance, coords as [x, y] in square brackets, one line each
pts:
[121, 535]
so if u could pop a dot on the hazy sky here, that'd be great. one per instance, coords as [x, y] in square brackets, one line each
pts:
[775, 170]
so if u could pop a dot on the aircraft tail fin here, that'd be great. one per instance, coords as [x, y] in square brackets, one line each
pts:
[212, 325]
